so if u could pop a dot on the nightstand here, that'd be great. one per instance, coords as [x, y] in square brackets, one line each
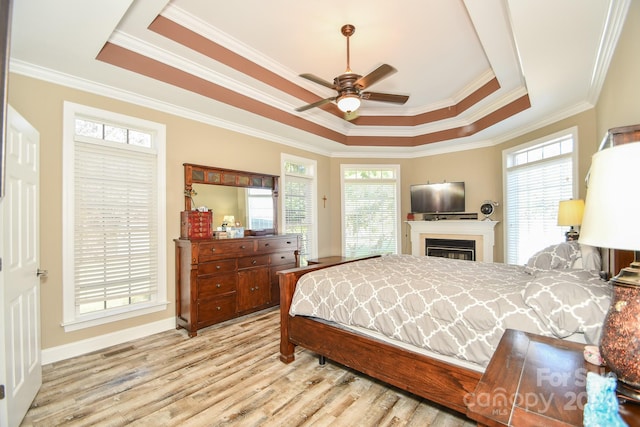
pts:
[533, 380]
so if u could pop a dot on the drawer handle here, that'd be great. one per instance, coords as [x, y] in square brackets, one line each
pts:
[213, 249]
[218, 308]
[257, 287]
[288, 243]
[251, 289]
[242, 247]
[266, 244]
[282, 257]
[218, 285]
[254, 262]
[218, 267]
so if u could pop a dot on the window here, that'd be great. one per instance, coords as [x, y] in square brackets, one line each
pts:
[370, 209]
[260, 208]
[299, 203]
[114, 250]
[538, 175]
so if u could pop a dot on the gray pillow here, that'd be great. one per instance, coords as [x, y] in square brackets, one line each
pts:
[559, 256]
[570, 301]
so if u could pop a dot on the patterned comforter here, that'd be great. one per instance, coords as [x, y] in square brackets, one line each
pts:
[452, 307]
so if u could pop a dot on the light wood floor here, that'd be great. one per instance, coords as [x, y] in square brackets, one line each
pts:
[229, 374]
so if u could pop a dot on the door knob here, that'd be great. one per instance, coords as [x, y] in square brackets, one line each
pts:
[42, 273]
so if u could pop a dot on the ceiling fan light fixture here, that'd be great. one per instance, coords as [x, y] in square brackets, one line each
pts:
[348, 103]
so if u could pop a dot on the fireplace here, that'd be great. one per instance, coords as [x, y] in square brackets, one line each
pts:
[451, 248]
[481, 232]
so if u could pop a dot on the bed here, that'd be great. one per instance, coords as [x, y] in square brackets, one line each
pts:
[429, 325]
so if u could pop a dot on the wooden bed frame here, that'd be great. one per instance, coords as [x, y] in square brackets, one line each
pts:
[432, 379]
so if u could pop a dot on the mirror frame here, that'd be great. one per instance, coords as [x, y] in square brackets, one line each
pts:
[198, 174]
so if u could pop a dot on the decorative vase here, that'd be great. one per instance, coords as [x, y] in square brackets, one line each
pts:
[620, 341]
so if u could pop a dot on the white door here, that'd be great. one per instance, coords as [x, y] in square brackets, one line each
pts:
[20, 368]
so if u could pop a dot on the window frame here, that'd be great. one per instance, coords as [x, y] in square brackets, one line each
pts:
[508, 153]
[313, 166]
[71, 319]
[397, 172]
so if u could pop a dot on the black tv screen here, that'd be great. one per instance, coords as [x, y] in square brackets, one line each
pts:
[437, 198]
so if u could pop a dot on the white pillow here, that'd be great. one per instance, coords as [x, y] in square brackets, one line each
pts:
[589, 259]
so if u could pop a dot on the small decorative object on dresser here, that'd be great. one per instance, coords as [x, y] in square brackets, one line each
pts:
[196, 225]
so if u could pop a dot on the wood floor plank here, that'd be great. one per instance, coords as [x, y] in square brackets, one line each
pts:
[228, 375]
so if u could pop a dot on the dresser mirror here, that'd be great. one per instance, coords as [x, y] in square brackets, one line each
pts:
[247, 199]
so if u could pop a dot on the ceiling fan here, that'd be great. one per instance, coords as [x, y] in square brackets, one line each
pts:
[350, 85]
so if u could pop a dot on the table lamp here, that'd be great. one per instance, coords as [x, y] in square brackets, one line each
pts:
[570, 213]
[612, 220]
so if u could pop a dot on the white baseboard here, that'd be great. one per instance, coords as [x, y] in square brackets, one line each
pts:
[66, 351]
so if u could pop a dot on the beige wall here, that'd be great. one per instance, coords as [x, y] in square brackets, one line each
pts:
[41, 103]
[619, 102]
[193, 142]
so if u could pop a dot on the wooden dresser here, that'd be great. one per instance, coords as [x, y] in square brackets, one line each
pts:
[219, 279]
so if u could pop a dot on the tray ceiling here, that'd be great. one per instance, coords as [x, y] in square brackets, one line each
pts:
[476, 73]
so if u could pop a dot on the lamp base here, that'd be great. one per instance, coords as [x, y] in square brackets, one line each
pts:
[620, 340]
[572, 235]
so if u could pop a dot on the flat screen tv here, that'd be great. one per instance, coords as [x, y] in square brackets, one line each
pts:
[446, 197]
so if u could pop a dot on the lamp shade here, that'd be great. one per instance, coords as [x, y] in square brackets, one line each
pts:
[348, 103]
[570, 212]
[612, 206]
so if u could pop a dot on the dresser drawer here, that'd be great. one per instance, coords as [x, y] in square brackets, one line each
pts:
[216, 310]
[253, 261]
[277, 244]
[225, 249]
[212, 286]
[283, 258]
[213, 267]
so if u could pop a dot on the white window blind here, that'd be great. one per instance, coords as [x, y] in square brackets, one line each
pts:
[370, 210]
[115, 231]
[299, 206]
[537, 179]
[114, 217]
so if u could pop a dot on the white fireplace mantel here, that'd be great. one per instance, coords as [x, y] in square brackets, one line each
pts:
[480, 231]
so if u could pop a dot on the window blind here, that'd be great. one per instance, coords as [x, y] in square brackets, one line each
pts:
[298, 210]
[370, 217]
[533, 192]
[115, 226]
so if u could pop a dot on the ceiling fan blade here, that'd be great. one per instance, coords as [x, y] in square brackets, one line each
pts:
[384, 97]
[319, 80]
[316, 104]
[376, 75]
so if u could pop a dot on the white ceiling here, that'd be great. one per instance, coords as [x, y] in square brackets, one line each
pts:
[554, 52]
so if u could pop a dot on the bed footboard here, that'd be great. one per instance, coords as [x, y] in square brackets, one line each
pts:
[432, 379]
[288, 280]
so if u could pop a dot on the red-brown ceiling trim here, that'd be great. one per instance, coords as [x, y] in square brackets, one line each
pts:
[435, 115]
[209, 48]
[132, 61]
[500, 114]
